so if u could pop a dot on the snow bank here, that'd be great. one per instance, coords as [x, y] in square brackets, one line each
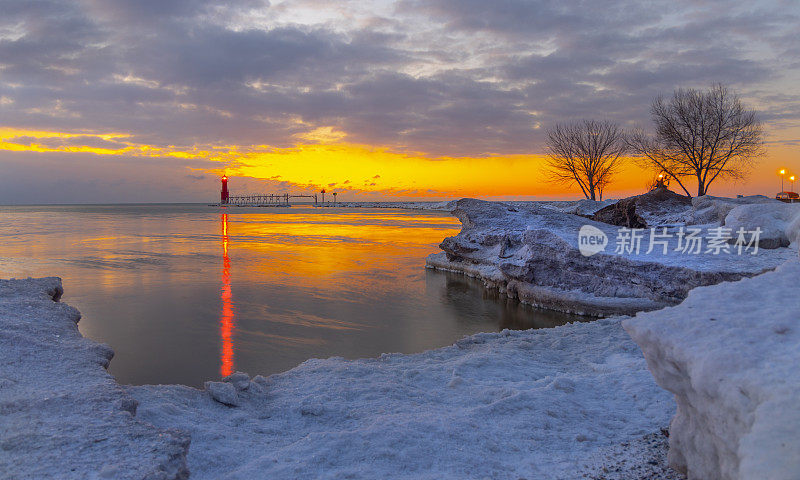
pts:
[531, 253]
[793, 229]
[730, 354]
[772, 219]
[61, 414]
[709, 209]
[515, 404]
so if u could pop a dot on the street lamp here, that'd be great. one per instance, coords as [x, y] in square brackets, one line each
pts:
[782, 172]
[792, 179]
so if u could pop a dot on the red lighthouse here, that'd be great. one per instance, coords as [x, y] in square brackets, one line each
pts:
[223, 195]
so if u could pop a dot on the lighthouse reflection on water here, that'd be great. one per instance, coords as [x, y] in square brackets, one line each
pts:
[226, 321]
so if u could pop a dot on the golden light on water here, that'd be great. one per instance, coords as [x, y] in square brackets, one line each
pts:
[301, 249]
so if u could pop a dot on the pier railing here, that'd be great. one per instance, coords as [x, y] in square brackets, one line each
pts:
[265, 200]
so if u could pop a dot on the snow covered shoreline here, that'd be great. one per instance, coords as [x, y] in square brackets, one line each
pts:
[575, 401]
[531, 252]
[61, 414]
[539, 403]
[531, 404]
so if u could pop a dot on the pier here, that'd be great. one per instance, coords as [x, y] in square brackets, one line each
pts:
[262, 200]
[265, 200]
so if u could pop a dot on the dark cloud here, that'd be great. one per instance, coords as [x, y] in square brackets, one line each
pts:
[59, 142]
[535, 18]
[442, 77]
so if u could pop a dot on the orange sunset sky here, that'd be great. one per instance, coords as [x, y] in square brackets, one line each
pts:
[123, 101]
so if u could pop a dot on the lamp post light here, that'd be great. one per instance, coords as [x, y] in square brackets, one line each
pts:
[782, 172]
[792, 179]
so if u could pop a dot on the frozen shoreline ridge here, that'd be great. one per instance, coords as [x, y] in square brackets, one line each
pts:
[61, 414]
[530, 252]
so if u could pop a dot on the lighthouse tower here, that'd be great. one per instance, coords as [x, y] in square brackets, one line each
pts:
[223, 195]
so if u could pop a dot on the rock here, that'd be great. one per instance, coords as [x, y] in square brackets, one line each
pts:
[772, 219]
[622, 213]
[532, 254]
[729, 353]
[659, 206]
[240, 380]
[61, 414]
[663, 206]
[223, 392]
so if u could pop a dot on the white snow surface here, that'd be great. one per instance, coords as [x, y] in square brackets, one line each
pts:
[509, 405]
[730, 354]
[709, 209]
[583, 206]
[61, 414]
[772, 219]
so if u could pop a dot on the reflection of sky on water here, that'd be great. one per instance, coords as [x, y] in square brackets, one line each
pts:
[185, 293]
[226, 319]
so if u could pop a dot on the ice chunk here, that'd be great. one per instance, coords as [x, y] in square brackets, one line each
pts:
[771, 219]
[240, 380]
[710, 209]
[223, 392]
[730, 353]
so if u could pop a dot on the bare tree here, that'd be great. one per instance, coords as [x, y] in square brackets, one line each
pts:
[701, 134]
[586, 153]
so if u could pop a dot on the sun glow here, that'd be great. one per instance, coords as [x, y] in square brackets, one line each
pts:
[366, 169]
[322, 159]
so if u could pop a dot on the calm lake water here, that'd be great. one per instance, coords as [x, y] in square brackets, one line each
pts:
[187, 293]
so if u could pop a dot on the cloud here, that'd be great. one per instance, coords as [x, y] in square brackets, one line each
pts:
[60, 143]
[434, 78]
